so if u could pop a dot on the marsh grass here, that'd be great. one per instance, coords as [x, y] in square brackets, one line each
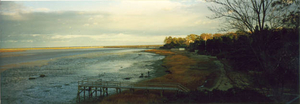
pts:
[161, 52]
[184, 70]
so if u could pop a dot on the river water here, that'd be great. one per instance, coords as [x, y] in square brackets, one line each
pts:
[65, 69]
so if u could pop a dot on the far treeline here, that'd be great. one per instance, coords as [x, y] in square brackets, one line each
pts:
[265, 44]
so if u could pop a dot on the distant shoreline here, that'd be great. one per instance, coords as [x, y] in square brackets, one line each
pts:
[82, 47]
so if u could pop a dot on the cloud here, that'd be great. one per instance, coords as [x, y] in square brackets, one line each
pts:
[144, 7]
[125, 22]
[67, 22]
[41, 9]
[86, 25]
[27, 41]
[11, 41]
[75, 36]
[11, 7]
[111, 38]
[202, 0]
[34, 35]
[13, 10]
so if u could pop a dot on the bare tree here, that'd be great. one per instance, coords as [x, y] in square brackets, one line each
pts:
[243, 14]
[288, 13]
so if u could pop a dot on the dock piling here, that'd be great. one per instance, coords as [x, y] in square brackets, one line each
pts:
[102, 87]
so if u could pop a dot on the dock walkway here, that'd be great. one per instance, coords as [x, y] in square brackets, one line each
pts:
[94, 86]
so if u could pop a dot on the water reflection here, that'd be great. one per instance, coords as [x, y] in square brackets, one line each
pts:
[60, 83]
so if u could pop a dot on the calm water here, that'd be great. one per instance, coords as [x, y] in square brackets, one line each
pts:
[60, 83]
[34, 55]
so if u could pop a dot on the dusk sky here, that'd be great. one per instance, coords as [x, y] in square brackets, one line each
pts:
[101, 23]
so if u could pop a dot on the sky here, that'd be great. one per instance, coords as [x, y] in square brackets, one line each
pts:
[101, 22]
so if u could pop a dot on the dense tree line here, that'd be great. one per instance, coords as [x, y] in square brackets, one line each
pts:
[179, 42]
[273, 54]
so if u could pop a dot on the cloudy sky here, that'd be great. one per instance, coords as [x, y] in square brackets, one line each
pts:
[100, 23]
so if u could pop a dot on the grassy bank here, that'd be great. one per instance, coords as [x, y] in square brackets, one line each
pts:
[178, 68]
[183, 69]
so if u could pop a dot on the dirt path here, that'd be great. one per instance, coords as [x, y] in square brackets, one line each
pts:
[221, 82]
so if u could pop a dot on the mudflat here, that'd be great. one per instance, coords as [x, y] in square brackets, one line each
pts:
[61, 73]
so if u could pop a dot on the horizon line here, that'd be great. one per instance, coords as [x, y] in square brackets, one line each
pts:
[82, 47]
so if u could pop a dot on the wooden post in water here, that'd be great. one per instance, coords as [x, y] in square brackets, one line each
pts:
[161, 93]
[132, 90]
[146, 92]
[78, 93]
[106, 89]
[83, 93]
[101, 91]
[92, 91]
[118, 90]
[89, 90]
[96, 91]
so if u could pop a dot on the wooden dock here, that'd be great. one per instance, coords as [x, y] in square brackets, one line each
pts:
[95, 86]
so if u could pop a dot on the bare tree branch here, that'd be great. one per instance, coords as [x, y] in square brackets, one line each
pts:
[250, 13]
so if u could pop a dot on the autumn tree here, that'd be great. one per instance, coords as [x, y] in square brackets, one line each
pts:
[191, 39]
[181, 41]
[217, 35]
[168, 40]
[206, 36]
[174, 42]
